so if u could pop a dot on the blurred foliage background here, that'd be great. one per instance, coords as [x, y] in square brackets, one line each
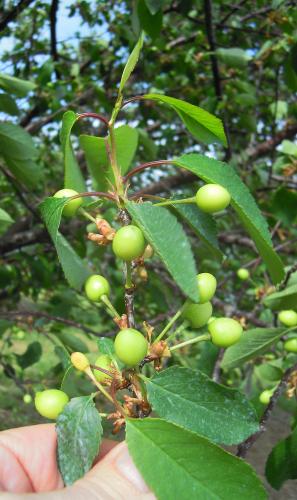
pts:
[236, 60]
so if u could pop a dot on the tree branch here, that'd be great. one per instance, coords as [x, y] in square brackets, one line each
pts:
[248, 443]
[12, 14]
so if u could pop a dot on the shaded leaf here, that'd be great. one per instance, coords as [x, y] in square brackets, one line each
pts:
[31, 356]
[72, 341]
[154, 5]
[234, 57]
[286, 299]
[5, 217]
[281, 464]
[73, 178]
[79, 433]
[106, 346]
[192, 400]
[203, 125]
[251, 344]
[14, 85]
[149, 22]
[126, 139]
[8, 105]
[202, 224]
[176, 463]
[170, 242]
[215, 171]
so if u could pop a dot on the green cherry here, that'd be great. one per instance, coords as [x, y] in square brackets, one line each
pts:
[243, 274]
[71, 206]
[128, 243]
[50, 403]
[291, 345]
[197, 314]
[96, 286]
[212, 198]
[27, 398]
[130, 346]
[225, 331]
[103, 361]
[288, 318]
[207, 285]
[265, 397]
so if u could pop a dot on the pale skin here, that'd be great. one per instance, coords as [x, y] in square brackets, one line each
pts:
[28, 470]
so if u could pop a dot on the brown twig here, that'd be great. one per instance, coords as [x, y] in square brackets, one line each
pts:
[248, 443]
[143, 166]
[285, 281]
[12, 14]
[216, 374]
[53, 32]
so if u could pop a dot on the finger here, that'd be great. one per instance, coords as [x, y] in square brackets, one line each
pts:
[28, 459]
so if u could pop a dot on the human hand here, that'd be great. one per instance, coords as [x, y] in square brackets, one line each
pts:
[28, 465]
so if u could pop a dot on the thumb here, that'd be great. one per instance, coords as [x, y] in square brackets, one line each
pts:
[113, 478]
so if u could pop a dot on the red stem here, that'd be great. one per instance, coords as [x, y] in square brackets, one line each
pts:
[94, 115]
[143, 166]
[100, 194]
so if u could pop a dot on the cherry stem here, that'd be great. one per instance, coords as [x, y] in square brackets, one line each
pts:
[143, 166]
[93, 115]
[86, 214]
[169, 324]
[109, 305]
[91, 375]
[206, 336]
[99, 194]
[107, 372]
[175, 202]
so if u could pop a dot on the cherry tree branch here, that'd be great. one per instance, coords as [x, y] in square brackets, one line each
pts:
[11, 15]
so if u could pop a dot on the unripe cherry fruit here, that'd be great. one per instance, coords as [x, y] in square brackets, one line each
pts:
[79, 361]
[265, 397]
[207, 285]
[105, 362]
[288, 318]
[27, 399]
[225, 331]
[71, 206]
[197, 314]
[130, 346]
[128, 243]
[212, 198]
[243, 274]
[50, 403]
[291, 345]
[96, 286]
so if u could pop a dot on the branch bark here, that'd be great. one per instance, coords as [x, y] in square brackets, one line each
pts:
[53, 31]
[11, 15]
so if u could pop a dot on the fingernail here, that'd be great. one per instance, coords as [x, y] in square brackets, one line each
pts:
[126, 467]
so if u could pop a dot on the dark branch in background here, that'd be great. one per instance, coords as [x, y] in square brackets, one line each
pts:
[234, 9]
[58, 319]
[288, 132]
[216, 374]
[284, 283]
[10, 15]
[53, 31]
[246, 445]
[19, 192]
[129, 291]
[215, 66]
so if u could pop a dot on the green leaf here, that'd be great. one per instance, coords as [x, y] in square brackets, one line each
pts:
[64, 356]
[281, 464]
[31, 356]
[73, 178]
[252, 343]
[203, 125]
[79, 432]
[150, 23]
[167, 237]
[131, 63]
[234, 57]
[5, 217]
[286, 299]
[192, 400]
[215, 171]
[75, 271]
[106, 346]
[14, 85]
[126, 139]
[289, 148]
[8, 105]
[202, 224]
[284, 205]
[19, 152]
[73, 342]
[178, 464]
[154, 5]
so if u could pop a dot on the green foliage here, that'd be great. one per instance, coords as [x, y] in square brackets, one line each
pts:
[212, 410]
[73, 178]
[174, 251]
[79, 435]
[193, 466]
[282, 461]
